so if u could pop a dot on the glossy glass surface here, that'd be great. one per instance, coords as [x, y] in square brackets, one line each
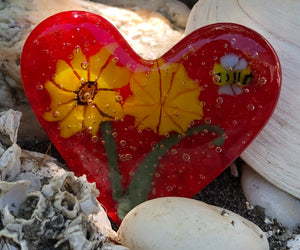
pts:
[144, 129]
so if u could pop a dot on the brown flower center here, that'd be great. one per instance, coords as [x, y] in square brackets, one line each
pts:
[86, 93]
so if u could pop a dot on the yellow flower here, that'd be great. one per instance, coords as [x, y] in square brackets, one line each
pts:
[165, 99]
[82, 92]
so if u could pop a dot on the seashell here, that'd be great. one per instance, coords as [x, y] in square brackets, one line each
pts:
[275, 152]
[32, 206]
[70, 188]
[67, 204]
[49, 208]
[9, 125]
[10, 163]
[13, 194]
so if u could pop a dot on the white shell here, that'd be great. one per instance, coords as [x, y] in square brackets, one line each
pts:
[9, 125]
[275, 152]
[12, 194]
[181, 223]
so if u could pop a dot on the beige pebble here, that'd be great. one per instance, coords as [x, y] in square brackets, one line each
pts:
[181, 223]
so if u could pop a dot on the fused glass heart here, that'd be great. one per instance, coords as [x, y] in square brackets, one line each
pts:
[142, 128]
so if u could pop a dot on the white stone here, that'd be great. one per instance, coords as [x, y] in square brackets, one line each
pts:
[181, 223]
[177, 12]
[277, 203]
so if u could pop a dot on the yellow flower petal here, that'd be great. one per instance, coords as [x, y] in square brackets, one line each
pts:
[78, 60]
[145, 84]
[181, 118]
[182, 84]
[182, 104]
[113, 76]
[166, 100]
[146, 116]
[96, 62]
[187, 103]
[167, 124]
[59, 112]
[146, 98]
[73, 122]
[65, 77]
[167, 72]
[92, 119]
[141, 96]
[108, 102]
[58, 96]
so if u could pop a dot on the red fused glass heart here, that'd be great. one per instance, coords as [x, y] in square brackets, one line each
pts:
[142, 128]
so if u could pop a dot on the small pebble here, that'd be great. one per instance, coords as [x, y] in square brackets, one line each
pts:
[277, 204]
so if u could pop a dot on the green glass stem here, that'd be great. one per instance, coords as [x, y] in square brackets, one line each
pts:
[141, 184]
[112, 158]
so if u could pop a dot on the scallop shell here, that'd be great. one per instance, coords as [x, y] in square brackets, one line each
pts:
[275, 152]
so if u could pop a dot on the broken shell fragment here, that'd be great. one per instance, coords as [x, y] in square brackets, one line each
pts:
[67, 204]
[12, 194]
[10, 163]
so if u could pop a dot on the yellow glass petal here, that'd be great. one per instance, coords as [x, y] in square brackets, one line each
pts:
[65, 78]
[144, 105]
[92, 119]
[148, 120]
[59, 112]
[58, 96]
[181, 118]
[168, 124]
[141, 95]
[181, 84]
[113, 76]
[97, 61]
[146, 116]
[166, 75]
[182, 103]
[79, 64]
[108, 102]
[146, 84]
[73, 122]
[165, 99]
[188, 101]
